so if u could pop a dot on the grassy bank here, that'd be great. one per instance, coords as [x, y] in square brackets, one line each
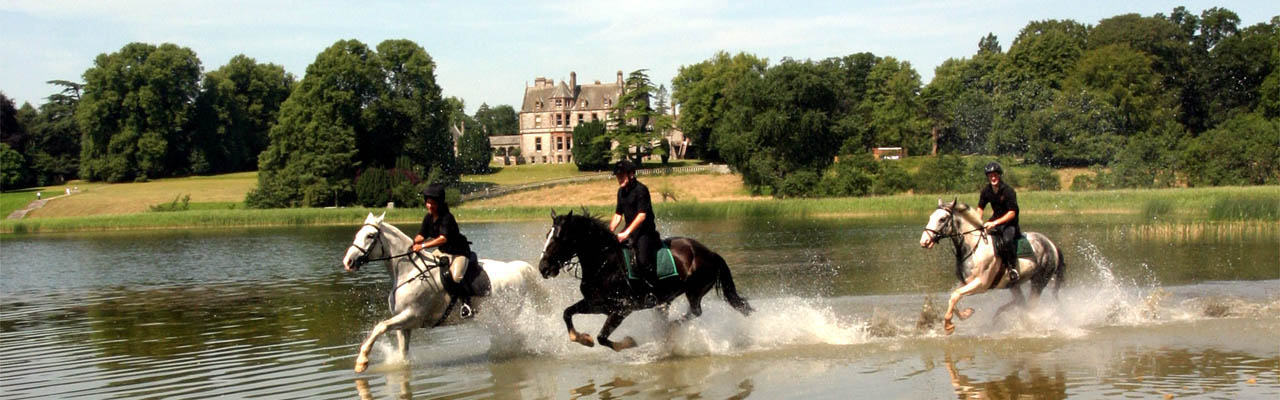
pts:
[1197, 205]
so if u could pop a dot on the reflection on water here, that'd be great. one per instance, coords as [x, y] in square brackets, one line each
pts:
[843, 312]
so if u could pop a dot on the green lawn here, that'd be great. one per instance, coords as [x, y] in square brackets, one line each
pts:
[16, 200]
[530, 173]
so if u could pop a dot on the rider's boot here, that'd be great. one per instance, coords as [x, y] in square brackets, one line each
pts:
[1011, 262]
[460, 293]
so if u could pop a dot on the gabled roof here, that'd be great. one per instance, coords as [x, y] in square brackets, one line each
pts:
[562, 92]
[586, 97]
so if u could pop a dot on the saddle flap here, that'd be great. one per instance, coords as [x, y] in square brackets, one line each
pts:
[476, 278]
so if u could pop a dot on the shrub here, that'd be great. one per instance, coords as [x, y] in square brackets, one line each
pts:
[947, 173]
[1082, 183]
[798, 184]
[893, 179]
[1043, 178]
[373, 187]
[179, 203]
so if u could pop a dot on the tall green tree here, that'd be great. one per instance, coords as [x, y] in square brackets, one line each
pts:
[14, 172]
[313, 157]
[639, 126]
[1126, 79]
[237, 107]
[53, 146]
[355, 109]
[702, 90]
[591, 146]
[498, 121]
[409, 115]
[474, 152]
[897, 114]
[135, 112]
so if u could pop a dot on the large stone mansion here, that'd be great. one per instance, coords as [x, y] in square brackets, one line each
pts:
[550, 112]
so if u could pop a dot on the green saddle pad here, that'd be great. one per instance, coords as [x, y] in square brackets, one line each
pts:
[666, 263]
[1024, 247]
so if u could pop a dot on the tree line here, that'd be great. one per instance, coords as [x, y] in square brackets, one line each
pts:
[149, 111]
[1177, 99]
[1157, 101]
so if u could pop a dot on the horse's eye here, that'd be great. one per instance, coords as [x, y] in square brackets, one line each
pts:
[370, 236]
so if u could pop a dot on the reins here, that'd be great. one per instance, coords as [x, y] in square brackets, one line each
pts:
[955, 235]
[422, 272]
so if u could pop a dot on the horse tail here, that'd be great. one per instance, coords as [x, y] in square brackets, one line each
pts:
[1059, 274]
[724, 284]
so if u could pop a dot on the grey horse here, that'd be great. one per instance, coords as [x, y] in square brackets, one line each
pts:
[417, 297]
[979, 269]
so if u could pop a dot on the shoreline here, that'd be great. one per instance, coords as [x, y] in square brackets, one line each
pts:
[1151, 206]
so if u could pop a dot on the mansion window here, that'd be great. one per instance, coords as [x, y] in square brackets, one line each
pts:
[558, 119]
[559, 102]
[559, 158]
[559, 143]
[582, 118]
[595, 117]
[537, 121]
[537, 144]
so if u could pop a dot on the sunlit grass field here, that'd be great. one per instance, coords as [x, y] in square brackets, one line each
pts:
[217, 201]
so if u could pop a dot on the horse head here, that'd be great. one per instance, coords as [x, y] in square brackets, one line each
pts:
[366, 244]
[939, 224]
[556, 252]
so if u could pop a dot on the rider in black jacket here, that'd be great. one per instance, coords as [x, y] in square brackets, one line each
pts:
[440, 230]
[635, 209]
[1003, 224]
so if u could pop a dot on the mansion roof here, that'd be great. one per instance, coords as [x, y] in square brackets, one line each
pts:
[541, 96]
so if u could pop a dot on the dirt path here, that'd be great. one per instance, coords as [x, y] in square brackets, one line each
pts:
[19, 214]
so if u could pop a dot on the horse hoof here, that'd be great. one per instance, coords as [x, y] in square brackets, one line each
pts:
[361, 365]
[949, 327]
[583, 339]
[964, 314]
[625, 343]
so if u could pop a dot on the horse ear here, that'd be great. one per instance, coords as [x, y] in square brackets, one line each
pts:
[940, 202]
[954, 200]
[381, 217]
[584, 210]
[571, 212]
[553, 213]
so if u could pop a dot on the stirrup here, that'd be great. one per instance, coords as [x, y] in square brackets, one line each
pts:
[465, 311]
[1013, 275]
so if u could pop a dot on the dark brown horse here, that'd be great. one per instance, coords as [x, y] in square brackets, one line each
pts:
[605, 287]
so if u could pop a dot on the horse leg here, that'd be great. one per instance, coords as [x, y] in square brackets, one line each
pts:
[971, 287]
[403, 337]
[695, 309]
[1017, 300]
[610, 324]
[397, 322]
[577, 308]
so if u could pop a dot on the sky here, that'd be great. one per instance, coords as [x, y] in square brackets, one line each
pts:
[488, 51]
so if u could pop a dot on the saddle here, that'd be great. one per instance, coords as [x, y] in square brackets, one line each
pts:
[475, 282]
[666, 267]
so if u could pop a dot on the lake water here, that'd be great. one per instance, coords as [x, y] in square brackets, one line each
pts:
[269, 313]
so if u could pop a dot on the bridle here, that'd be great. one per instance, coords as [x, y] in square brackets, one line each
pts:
[936, 235]
[954, 227]
[364, 257]
[571, 264]
[364, 251]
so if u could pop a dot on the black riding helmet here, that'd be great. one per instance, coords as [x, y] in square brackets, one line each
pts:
[623, 166]
[434, 191]
[994, 167]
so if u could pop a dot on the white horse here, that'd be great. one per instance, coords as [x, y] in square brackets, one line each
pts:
[977, 266]
[417, 297]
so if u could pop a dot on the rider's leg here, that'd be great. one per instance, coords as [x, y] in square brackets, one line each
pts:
[647, 255]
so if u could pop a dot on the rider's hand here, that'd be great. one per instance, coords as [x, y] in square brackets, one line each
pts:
[988, 225]
[417, 247]
[622, 237]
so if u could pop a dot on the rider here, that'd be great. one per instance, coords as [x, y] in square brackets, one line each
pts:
[440, 230]
[636, 210]
[1003, 224]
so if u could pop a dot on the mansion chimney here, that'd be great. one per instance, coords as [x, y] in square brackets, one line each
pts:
[573, 81]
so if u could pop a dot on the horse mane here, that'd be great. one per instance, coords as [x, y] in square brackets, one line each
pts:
[969, 214]
[593, 226]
